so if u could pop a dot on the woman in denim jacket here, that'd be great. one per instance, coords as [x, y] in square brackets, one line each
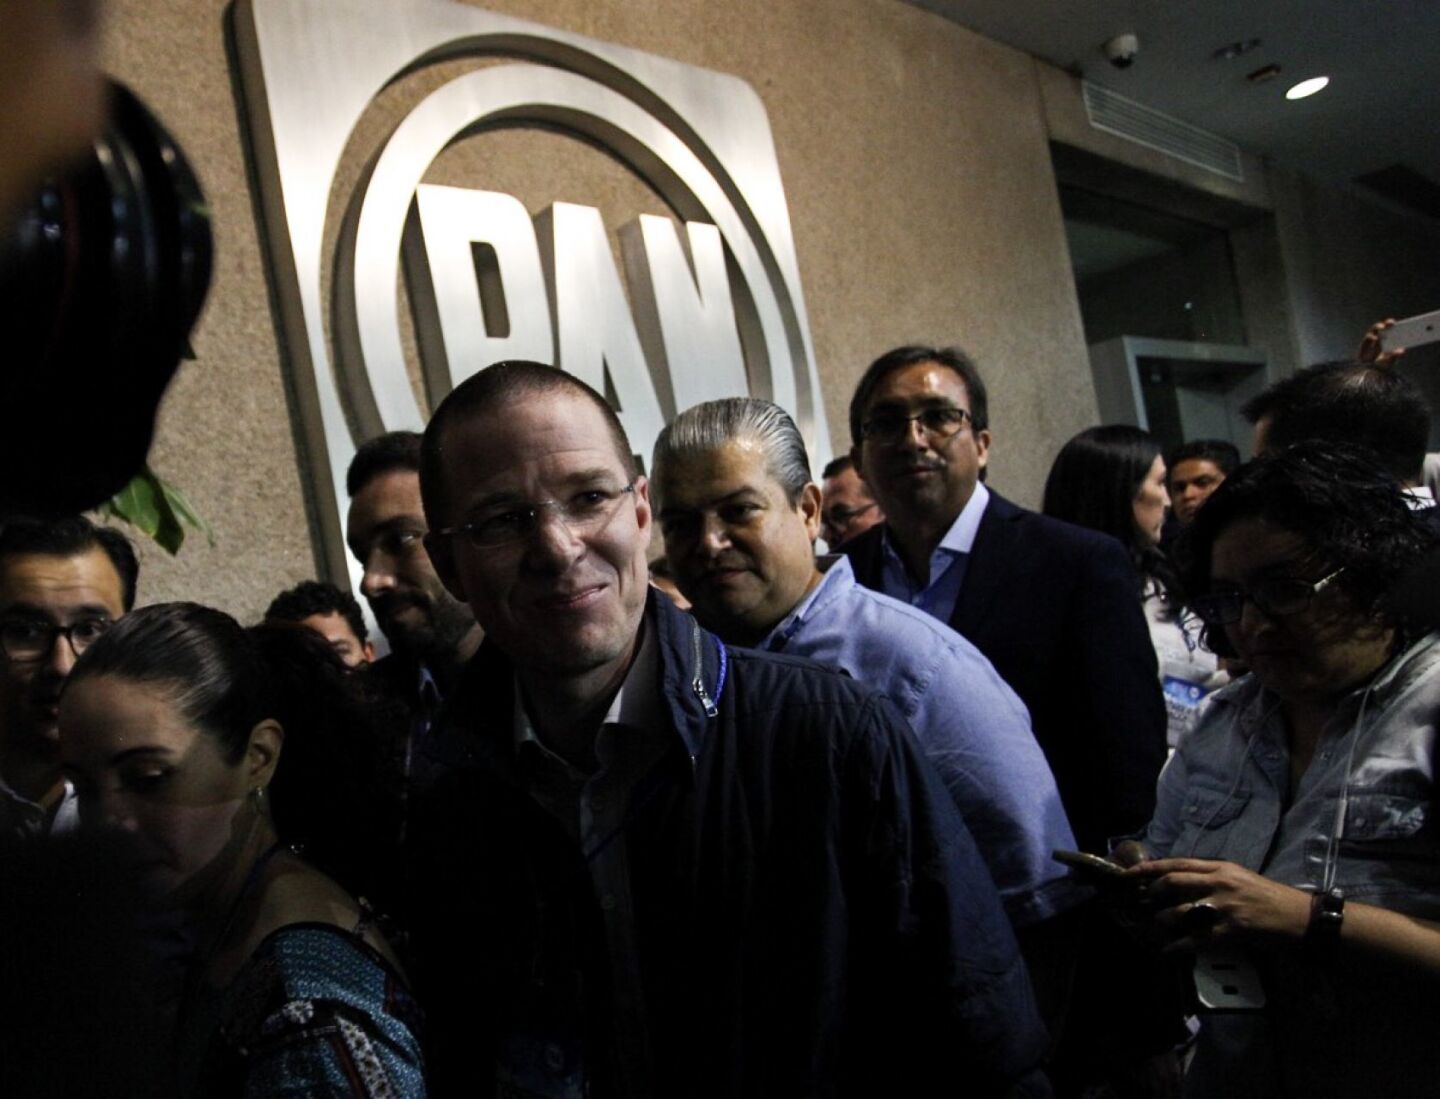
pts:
[1294, 823]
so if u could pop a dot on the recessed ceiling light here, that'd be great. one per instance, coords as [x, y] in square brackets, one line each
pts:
[1308, 87]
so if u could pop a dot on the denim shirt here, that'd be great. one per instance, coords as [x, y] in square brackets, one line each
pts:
[1224, 793]
[970, 724]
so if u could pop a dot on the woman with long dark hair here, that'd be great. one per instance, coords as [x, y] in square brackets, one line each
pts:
[1112, 479]
[225, 753]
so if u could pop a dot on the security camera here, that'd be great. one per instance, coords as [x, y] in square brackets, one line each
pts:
[1121, 50]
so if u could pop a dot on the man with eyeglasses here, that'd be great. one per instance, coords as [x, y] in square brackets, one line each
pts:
[1056, 608]
[662, 865]
[847, 507]
[62, 584]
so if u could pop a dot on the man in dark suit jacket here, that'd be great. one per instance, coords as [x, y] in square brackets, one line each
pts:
[1055, 608]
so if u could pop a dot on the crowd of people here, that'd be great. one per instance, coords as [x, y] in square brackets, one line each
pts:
[648, 797]
[736, 820]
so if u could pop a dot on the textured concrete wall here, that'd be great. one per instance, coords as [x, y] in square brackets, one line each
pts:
[1350, 261]
[916, 166]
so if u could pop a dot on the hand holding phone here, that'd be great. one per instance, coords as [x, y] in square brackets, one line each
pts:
[1094, 869]
[1410, 332]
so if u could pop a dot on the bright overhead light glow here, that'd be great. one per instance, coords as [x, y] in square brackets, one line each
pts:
[1308, 87]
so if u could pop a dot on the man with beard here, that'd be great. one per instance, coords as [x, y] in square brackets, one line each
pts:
[431, 633]
[62, 584]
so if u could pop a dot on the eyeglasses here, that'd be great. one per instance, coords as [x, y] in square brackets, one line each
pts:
[585, 513]
[25, 640]
[939, 423]
[1279, 597]
[840, 516]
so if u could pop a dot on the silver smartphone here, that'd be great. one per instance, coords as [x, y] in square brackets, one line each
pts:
[1412, 332]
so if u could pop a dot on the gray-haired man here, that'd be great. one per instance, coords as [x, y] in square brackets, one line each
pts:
[740, 515]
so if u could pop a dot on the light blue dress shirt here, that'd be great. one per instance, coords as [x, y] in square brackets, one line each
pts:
[947, 564]
[971, 725]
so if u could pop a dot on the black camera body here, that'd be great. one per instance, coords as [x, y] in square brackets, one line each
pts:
[101, 280]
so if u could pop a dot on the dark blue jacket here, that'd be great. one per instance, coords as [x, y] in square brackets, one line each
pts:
[1057, 610]
[813, 917]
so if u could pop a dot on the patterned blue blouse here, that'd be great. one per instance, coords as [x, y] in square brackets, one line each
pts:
[315, 1012]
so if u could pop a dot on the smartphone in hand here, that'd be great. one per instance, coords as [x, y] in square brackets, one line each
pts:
[1411, 332]
[1093, 868]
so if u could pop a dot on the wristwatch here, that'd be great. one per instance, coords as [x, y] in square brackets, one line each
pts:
[1327, 916]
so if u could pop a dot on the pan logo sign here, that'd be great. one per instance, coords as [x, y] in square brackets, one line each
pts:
[719, 314]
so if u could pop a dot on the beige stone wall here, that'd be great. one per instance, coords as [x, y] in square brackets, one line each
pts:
[915, 162]
[225, 434]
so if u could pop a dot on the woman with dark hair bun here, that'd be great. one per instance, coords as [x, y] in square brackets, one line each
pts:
[218, 748]
[1292, 846]
[1112, 479]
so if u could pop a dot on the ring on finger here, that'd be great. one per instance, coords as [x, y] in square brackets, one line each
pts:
[1201, 916]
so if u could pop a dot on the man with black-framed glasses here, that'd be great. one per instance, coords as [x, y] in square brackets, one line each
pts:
[1055, 608]
[62, 585]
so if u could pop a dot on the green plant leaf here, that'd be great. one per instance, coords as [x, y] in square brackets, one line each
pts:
[138, 504]
[183, 510]
[158, 510]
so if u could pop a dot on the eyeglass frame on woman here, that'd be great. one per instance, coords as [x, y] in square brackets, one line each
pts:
[50, 632]
[606, 511]
[1309, 590]
[893, 431]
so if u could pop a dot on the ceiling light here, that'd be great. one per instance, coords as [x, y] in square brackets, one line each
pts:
[1308, 87]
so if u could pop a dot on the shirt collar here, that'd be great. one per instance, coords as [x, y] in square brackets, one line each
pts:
[836, 576]
[65, 818]
[1388, 683]
[427, 689]
[1420, 497]
[960, 538]
[67, 814]
[637, 704]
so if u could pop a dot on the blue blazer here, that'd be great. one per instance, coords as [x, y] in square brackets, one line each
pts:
[1057, 610]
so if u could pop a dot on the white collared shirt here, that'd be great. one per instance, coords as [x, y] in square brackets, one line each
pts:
[940, 593]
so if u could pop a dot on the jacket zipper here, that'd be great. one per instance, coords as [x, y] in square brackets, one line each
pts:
[698, 684]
